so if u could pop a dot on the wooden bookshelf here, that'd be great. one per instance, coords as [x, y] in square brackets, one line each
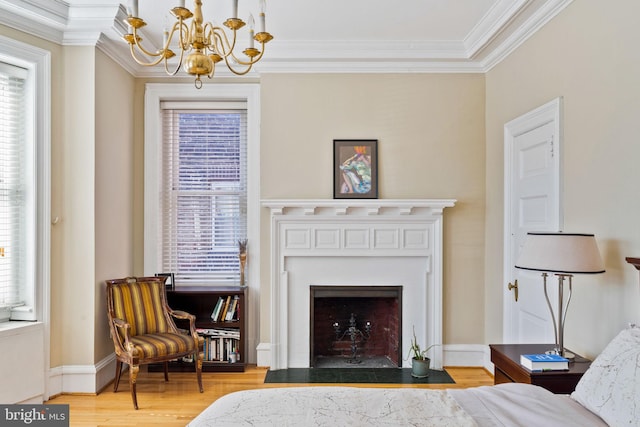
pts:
[201, 301]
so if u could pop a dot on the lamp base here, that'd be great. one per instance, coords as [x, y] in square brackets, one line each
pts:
[566, 353]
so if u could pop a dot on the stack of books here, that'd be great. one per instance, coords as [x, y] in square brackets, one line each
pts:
[544, 362]
[226, 310]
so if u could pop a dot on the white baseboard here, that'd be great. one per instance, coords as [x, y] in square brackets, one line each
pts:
[93, 378]
[472, 355]
[263, 351]
[82, 378]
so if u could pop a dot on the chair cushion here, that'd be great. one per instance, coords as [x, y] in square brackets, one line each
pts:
[140, 305]
[159, 345]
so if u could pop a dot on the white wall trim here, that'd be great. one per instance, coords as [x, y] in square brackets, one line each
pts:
[264, 354]
[38, 62]
[250, 92]
[329, 231]
[502, 30]
[468, 355]
[82, 378]
[550, 112]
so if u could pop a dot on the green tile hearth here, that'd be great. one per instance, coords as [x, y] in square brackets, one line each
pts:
[355, 376]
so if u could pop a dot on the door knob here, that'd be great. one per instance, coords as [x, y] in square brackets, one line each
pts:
[514, 286]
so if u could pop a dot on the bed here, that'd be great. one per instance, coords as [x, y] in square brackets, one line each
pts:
[608, 394]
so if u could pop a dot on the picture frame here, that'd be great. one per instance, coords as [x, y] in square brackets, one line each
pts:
[170, 283]
[355, 168]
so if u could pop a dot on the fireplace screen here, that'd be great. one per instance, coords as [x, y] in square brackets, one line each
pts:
[356, 326]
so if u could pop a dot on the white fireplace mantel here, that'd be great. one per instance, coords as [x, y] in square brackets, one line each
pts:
[354, 242]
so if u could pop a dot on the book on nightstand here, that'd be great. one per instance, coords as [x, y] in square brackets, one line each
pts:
[544, 362]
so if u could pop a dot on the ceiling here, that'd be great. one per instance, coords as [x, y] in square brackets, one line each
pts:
[313, 36]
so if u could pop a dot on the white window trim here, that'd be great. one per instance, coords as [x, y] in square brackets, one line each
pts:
[38, 62]
[156, 93]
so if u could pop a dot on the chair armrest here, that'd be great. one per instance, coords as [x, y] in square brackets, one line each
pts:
[126, 327]
[179, 314]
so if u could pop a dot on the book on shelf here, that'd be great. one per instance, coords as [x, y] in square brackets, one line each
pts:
[232, 309]
[220, 332]
[216, 311]
[544, 362]
[223, 314]
[219, 349]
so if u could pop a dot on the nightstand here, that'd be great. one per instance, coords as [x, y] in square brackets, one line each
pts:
[506, 359]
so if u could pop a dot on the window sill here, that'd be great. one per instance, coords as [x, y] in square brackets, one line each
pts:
[18, 327]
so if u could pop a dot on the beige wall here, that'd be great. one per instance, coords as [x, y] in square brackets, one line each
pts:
[430, 131]
[76, 213]
[114, 191]
[434, 142]
[589, 56]
[57, 171]
[91, 136]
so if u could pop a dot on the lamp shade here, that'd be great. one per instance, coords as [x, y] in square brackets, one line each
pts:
[561, 253]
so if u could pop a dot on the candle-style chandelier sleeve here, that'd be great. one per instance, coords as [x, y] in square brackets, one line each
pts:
[201, 44]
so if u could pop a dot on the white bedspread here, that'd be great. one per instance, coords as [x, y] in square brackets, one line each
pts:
[334, 406]
[503, 405]
[523, 405]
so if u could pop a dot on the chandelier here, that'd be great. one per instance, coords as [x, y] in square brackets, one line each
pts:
[202, 45]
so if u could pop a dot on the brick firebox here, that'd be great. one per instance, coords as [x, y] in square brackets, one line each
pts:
[380, 305]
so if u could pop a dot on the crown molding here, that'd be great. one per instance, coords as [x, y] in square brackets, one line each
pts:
[529, 23]
[46, 19]
[507, 25]
[494, 21]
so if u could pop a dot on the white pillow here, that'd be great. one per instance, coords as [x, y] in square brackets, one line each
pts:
[611, 386]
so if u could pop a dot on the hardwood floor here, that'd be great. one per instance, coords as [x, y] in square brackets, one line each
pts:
[177, 402]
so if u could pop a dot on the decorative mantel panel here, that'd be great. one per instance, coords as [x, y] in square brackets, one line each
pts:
[356, 243]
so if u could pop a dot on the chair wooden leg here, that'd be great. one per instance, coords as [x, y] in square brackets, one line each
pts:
[166, 371]
[133, 375]
[116, 381]
[199, 357]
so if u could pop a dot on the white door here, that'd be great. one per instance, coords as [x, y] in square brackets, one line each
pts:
[532, 203]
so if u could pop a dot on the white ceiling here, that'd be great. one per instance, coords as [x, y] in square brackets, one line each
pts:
[314, 36]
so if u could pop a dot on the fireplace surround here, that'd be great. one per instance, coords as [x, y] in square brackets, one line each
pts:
[353, 243]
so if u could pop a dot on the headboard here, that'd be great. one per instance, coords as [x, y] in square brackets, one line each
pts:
[634, 261]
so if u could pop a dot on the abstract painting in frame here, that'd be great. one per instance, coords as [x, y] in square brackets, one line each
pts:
[355, 168]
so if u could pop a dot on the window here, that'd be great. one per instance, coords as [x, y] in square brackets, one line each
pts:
[204, 190]
[231, 113]
[15, 191]
[24, 181]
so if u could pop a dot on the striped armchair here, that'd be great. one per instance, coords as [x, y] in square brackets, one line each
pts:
[143, 329]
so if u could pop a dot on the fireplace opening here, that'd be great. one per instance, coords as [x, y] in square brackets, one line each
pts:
[355, 326]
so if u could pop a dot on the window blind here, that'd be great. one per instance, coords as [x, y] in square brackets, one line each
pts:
[204, 192]
[13, 187]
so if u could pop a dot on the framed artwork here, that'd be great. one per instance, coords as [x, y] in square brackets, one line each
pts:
[170, 284]
[355, 168]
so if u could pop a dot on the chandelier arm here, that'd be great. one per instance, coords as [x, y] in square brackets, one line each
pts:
[251, 61]
[234, 71]
[143, 63]
[222, 44]
[137, 43]
[209, 36]
[179, 27]
[178, 66]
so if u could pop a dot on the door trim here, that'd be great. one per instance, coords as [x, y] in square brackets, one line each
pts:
[549, 112]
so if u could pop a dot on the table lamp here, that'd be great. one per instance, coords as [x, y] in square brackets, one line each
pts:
[563, 254]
